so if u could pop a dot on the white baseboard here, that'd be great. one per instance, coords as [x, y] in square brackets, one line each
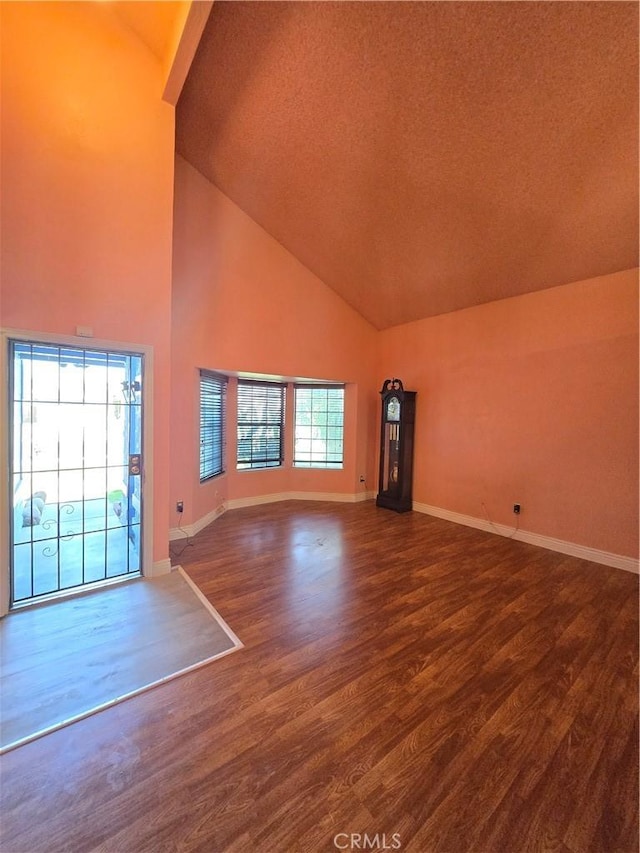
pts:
[189, 530]
[161, 567]
[572, 549]
[335, 497]
[240, 503]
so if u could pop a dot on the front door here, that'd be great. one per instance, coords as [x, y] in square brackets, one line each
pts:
[75, 461]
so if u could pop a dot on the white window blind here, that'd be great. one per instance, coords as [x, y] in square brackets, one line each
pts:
[213, 391]
[260, 424]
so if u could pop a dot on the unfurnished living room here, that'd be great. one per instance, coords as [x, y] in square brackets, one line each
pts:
[319, 426]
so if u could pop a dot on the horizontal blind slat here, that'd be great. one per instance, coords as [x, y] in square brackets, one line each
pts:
[213, 388]
[260, 423]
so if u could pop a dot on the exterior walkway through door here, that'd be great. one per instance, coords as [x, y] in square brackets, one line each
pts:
[76, 461]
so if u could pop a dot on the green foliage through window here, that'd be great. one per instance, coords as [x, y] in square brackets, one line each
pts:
[260, 424]
[319, 426]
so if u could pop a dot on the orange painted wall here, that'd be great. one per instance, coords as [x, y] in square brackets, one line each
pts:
[533, 400]
[87, 187]
[241, 302]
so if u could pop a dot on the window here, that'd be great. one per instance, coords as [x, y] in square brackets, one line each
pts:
[260, 424]
[213, 391]
[319, 426]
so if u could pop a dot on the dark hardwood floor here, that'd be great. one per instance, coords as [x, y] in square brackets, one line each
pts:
[442, 688]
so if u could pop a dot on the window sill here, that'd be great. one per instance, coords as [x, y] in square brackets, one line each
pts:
[213, 477]
[309, 466]
[253, 470]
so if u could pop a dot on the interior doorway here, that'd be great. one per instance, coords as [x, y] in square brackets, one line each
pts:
[75, 460]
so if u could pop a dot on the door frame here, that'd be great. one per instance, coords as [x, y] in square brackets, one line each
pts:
[6, 497]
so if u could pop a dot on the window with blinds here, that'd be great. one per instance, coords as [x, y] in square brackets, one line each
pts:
[260, 424]
[318, 426]
[213, 392]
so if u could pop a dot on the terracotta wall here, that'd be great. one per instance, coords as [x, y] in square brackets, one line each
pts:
[87, 187]
[532, 400]
[242, 303]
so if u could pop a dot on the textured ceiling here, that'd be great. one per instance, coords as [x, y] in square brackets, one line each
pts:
[425, 157]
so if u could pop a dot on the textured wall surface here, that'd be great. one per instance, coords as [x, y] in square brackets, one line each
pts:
[424, 157]
[242, 303]
[530, 400]
[87, 190]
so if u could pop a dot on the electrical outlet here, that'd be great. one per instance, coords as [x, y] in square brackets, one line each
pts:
[180, 506]
[516, 509]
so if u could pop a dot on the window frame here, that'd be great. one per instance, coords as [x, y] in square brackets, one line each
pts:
[326, 464]
[262, 462]
[218, 441]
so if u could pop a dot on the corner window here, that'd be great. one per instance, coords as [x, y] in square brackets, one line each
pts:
[260, 424]
[319, 426]
[213, 391]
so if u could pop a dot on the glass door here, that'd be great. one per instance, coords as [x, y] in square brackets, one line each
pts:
[75, 468]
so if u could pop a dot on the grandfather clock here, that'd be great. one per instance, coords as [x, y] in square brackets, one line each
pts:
[396, 446]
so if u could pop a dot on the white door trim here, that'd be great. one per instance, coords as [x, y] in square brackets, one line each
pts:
[147, 433]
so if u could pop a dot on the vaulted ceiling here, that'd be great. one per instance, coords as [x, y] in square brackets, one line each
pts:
[425, 157]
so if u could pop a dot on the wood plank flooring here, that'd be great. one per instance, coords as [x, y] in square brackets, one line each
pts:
[65, 659]
[402, 677]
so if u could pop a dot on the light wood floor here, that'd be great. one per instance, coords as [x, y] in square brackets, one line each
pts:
[64, 659]
[400, 675]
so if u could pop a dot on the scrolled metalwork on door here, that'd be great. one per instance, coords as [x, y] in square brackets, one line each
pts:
[76, 424]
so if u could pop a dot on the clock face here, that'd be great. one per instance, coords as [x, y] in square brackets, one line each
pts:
[393, 409]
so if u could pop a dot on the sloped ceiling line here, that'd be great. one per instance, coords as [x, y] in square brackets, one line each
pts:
[424, 157]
